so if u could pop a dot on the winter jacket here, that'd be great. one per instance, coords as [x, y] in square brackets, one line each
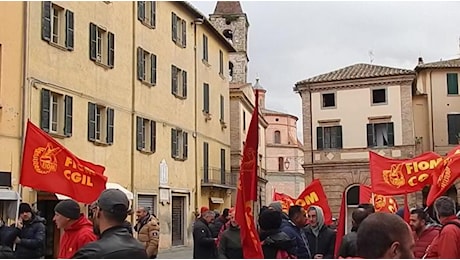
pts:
[275, 240]
[323, 244]
[148, 229]
[6, 252]
[230, 244]
[294, 232]
[348, 247]
[8, 235]
[204, 246]
[424, 240]
[76, 236]
[446, 244]
[217, 226]
[32, 235]
[114, 243]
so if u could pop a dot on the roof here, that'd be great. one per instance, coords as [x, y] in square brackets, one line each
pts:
[228, 7]
[358, 71]
[273, 112]
[454, 63]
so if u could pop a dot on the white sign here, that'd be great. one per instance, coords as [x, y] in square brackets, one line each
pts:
[164, 195]
[163, 173]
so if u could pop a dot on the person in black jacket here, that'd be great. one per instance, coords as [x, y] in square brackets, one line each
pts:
[30, 228]
[109, 214]
[348, 247]
[219, 223]
[204, 245]
[7, 237]
[321, 239]
[271, 236]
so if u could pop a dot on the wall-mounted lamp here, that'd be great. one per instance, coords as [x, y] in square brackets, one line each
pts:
[286, 163]
[198, 21]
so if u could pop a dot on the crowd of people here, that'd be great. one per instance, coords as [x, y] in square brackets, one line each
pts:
[303, 234]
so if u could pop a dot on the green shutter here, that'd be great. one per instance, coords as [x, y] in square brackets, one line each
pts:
[174, 143]
[111, 49]
[184, 83]
[139, 134]
[45, 110]
[338, 137]
[319, 138]
[221, 62]
[140, 64]
[153, 69]
[206, 161]
[141, 11]
[391, 135]
[205, 98]
[453, 128]
[452, 83]
[68, 100]
[184, 33]
[110, 124]
[222, 108]
[174, 27]
[92, 41]
[69, 29]
[222, 167]
[370, 135]
[185, 143]
[205, 48]
[153, 136]
[153, 14]
[173, 79]
[91, 121]
[46, 21]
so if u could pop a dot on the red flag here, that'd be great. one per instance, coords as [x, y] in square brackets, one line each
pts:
[340, 226]
[247, 190]
[49, 166]
[286, 200]
[449, 172]
[395, 177]
[314, 195]
[381, 203]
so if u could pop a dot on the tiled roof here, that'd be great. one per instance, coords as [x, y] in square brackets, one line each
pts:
[357, 71]
[228, 7]
[454, 63]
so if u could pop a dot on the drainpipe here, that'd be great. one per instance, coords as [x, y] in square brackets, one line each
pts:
[311, 136]
[133, 114]
[431, 112]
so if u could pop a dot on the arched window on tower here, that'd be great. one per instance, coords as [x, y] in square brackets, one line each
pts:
[230, 70]
[277, 137]
[228, 34]
[281, 164]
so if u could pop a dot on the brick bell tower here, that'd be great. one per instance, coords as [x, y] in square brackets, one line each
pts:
[229, 19]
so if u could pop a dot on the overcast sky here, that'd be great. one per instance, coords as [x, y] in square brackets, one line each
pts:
[292, 41]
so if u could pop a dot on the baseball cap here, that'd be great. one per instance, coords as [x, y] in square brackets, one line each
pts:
[114, 201]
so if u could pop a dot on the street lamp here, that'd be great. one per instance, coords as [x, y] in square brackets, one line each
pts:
[286, 163]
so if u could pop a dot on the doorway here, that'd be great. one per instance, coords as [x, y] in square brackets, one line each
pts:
[53, 235]
[178, 220]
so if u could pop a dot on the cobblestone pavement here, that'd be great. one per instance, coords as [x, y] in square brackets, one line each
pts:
[176, 253]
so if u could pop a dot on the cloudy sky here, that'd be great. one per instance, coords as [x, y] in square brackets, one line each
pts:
[292, 41]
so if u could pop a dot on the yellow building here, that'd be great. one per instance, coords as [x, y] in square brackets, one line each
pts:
[121, 84]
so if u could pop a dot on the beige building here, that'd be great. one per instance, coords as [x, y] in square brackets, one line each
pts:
[436, 105]
[348, 112]
[139, 87]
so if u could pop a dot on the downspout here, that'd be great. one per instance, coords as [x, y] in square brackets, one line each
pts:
[133, 114]
[195, 133]
[311, 136]
[431, 112]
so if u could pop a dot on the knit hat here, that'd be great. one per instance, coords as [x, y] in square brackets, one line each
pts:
[270, 220]
[68, 208]
[24, 207]
[276, 206]
[204, 209]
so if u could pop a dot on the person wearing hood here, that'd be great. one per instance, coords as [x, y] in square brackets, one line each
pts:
[278, 207]
[78, 230]
[321, 239]
[272, 238]
[30, 228]
[230, 242]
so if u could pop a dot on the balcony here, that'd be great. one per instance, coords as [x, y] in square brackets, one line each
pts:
[216, 177]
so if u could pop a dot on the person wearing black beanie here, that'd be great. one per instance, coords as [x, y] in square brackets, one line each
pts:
[30, 230]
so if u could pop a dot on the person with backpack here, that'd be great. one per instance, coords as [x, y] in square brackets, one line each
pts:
[275, 242]
[447, 244]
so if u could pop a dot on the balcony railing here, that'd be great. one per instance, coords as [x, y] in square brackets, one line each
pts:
[218, 176]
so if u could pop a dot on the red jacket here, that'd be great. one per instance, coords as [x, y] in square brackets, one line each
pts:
[446, 244]
[424, 240]
[75, 236]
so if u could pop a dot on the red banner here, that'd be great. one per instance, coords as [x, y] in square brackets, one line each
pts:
[247, 190]
[381, 203]
[449, 171]
[49, 166]
[286, 200]
[395, 177]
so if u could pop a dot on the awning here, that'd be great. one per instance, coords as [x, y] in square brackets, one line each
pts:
[108, 185]
[6, 194]
[217, 200]
[10, 202]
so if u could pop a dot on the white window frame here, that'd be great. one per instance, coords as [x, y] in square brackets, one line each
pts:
[56, 116]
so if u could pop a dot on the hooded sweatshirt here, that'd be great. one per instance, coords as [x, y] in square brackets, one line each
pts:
[321, 239]
[76, 236]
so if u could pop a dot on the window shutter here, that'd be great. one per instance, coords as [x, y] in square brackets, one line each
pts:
[110, 124]
[222, 108]
[68, 116]
[111, 47]
[319, 138]
[153, 69]
[452, 83]
[370, 135]
[141, 10]
[140, 64]
[174, 79]
[174, 27]
[139, 137]
[391, 136]
[222, 166]
[174, 143]
[205, 48]
[206, 161]
[453, 128]
[185, 143]
[91, 121]
[184, 83]
[46, 21]
[184, 33]
[153, 136]
[92, 41]
[206, 98]
[153, 14]
[221, 62]
[45, 110]
[339, 137]
[69, 29]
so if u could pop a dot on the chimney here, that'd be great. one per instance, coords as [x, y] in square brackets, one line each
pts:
[420, 60]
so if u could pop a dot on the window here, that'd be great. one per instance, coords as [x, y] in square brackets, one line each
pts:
[178, 82]
[56, 113]
[102, 46]
[221, 63]
[379, 135]
[100, 123]
[277, 137]
[206, 98]
[452, 83]
[328, 100]
[379, 96]
[222, 109]
[230, 70]
[146, 13]
[329, 137]
[57, 25]
[281, 164]
[148, 202]
[228, 34]
[179, 146]
[205, 48]
[179, 31]
[453, 128]
[244, 120]
[146, 67]
[146, 135]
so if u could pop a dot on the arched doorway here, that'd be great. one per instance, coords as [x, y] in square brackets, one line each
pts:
[352, 202]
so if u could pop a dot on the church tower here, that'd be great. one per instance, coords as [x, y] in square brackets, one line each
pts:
[229, 19]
